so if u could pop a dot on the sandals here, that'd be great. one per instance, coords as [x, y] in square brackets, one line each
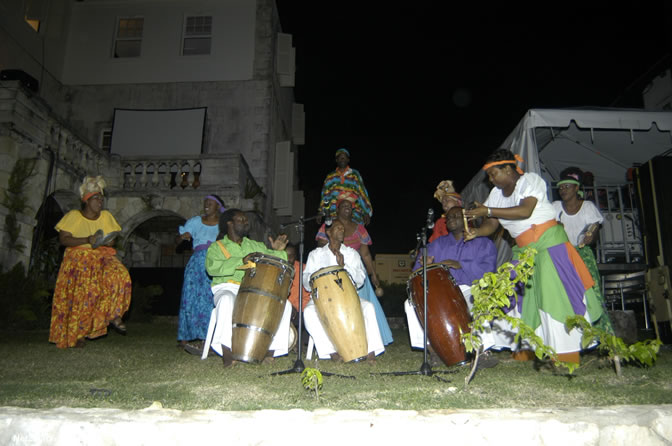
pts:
[118, 326]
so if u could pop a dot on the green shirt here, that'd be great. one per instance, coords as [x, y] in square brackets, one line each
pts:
[222, 265]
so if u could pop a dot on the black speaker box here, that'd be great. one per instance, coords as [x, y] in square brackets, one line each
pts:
[653, 181]
[26, 79]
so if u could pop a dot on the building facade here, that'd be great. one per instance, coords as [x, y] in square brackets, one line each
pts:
[170, 100]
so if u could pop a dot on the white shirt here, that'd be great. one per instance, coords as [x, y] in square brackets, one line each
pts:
[528, 185]
[575, 224]
[323, 257]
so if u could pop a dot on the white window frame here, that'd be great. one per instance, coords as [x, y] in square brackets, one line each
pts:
[117, 38]
[186, 35]
[105, 133]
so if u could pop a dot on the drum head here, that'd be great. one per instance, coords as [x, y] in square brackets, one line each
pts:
[324, 271]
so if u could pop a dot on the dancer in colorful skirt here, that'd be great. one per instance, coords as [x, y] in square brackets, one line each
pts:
[581, 220]
[93, 288]
[561, 285]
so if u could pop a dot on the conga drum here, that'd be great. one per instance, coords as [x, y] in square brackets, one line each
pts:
[338, 308]
[259, 307]
[447, 312]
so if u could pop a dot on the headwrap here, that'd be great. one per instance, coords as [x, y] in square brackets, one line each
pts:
[572, 178]
[347, 196]
[91, 186]
[343, 150]
[213, 198]
[446, 189]
[499, 163]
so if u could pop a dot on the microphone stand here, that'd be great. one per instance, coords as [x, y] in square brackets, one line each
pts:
[299, 367]
[425, 368]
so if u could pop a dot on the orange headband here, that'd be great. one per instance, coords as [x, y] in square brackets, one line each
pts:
[86, 197]
[499, 163]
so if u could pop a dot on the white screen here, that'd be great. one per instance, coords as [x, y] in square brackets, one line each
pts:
[158, 132]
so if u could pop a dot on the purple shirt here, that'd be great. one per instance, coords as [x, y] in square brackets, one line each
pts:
[477, 257]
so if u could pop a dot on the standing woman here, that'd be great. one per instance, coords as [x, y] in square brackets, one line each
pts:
[93, 288]
[581, 220]
[357, 238]
[196, 303]
[561, 285]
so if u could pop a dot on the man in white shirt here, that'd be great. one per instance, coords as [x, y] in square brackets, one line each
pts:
[332, 254]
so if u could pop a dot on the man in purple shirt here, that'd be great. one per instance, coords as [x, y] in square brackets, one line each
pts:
[466, 263]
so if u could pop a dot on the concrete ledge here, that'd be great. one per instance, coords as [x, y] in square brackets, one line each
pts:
[617, 425]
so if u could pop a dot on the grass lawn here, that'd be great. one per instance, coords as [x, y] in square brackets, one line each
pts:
[134, 371]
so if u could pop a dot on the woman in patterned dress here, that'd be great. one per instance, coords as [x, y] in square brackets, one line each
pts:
[93, 288]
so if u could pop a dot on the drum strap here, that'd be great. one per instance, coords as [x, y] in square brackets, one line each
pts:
[225, 251]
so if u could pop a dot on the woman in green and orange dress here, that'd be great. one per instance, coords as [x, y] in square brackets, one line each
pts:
[93, 288]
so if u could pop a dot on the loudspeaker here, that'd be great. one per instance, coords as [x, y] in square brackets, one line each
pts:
[653, 181]
[26, 79]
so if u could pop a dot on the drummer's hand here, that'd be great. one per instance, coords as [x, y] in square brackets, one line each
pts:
[339, 258]
[91, 239]
[280, 243]
[452, 264]
[186, 236]
[367, 219]
[318, 217]
[477, 211]
[430, 260]
[248, 257]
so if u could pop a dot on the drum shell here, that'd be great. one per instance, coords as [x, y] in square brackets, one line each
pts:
[448, 312]
[340, 311]
[259, 307]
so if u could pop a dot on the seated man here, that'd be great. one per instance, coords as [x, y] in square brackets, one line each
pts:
[332, 254]
[466, 263]
[223, 262]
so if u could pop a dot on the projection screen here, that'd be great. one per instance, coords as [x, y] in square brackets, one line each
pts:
[158, 132]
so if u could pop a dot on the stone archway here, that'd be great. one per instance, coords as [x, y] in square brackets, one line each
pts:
[146, 235]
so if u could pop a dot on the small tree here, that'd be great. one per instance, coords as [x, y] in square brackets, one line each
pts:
[643, 352]
[492, 294]
[311, 379]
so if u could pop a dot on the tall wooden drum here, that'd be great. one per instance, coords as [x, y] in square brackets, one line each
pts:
[340, 311]
[448, 312]
[259, 307]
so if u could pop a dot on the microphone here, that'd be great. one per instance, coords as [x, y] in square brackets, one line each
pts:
[430, 218]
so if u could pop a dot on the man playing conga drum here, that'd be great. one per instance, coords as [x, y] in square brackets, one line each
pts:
[466, 263]
[223, 262]
[332, 254]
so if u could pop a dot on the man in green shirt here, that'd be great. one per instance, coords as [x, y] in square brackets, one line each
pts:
[222, 261]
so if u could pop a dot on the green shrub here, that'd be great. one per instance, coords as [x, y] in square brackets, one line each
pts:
[25, 301]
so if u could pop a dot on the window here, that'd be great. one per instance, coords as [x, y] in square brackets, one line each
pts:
[129, 37]
[105, 139]
[197, 35]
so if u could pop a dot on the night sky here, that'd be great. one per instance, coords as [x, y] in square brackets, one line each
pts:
[423, 91]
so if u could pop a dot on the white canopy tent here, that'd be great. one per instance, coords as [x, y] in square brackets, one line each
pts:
[606, 142]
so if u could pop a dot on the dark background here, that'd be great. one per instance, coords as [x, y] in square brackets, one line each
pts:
[422, 91]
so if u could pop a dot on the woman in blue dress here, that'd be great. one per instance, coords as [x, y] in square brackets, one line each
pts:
[196, 303]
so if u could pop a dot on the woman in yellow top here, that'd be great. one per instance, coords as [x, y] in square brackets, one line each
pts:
[93, 288]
